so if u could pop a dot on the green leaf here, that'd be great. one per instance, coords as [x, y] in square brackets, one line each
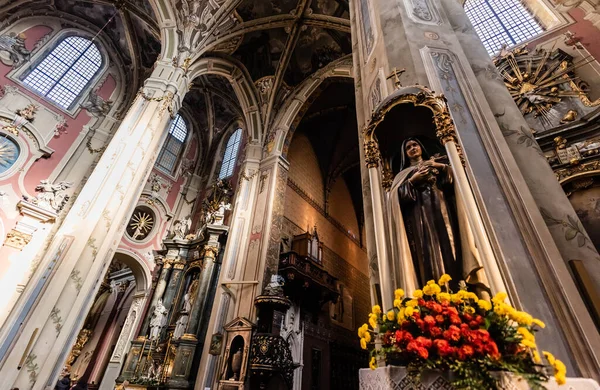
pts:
[572, 221]
[570, 233]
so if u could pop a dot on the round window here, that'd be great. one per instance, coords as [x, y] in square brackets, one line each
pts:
[141, 223]
[9, 153]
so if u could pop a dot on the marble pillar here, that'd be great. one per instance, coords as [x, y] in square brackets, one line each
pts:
[34, 342]
[196, 328]
[433, 41]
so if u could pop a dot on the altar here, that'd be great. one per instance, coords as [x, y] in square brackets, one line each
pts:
[397, 378]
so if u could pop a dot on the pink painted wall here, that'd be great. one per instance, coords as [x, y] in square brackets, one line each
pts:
[42, 168]
[584, 29]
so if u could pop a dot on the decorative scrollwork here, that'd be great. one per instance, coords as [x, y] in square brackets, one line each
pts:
[372, 155]
[271, 354]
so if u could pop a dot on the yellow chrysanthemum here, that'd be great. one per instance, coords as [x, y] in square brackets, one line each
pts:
[376, 309]
[399, 293]
[401, 316]
[539, 323]
[397, 303]
[551, 359]
[443, 297]
[409, 311]
[432, 289]
[444, 279]
[485, 305]
[363, 343]
[469, 310]
[367, 337]
[391, 315]
[560, 379]
[500, 297]
[430, 282]
[373, 323]
[361, 332]
[373, 363]
[412, 303]
[418, 294]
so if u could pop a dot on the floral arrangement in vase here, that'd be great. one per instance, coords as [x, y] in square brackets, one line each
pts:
[473, 338]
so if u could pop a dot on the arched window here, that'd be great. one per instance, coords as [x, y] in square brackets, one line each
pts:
[500, 22]
[231, 152]
[65, 72]
[173, 146]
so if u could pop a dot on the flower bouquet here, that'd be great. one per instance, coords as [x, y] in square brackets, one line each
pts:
[473, 338]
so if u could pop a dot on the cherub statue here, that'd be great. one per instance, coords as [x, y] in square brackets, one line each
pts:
[51, 196]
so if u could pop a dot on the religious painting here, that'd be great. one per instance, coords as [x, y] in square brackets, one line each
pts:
[216, 344]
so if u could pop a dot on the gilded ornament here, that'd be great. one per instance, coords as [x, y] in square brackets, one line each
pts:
[570, 116]
[17, 239]
[372, 155]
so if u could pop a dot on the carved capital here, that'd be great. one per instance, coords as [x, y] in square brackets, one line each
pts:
[178, 264]
[388, 178]
[17, 239]
[372, 155]
[210, 251]
[446, 131]
[167, 263]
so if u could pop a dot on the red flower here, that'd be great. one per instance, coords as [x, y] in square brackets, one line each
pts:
[423, 353]
[421, 324]
[443, 347]
[429, 320]
[421, 302]
[474, 324]
[452, 310]
[423, 342]
[452, 334]
[435, 331]
[465, 352]
[467, 317]
[492, 349]
[484, 335]
[440, 319]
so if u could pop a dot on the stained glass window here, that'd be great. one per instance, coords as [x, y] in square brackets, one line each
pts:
[65, 72]
[500, 22]
[173, 146]
[230, 156]
[9, 153]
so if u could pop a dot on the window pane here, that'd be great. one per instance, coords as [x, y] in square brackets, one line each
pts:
[500, 22]
[65, 72]
[230, 155]
[173, 146]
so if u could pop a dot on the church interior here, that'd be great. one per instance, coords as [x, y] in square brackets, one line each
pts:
[216, 194]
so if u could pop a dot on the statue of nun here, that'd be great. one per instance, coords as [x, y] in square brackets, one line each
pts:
[429, 226]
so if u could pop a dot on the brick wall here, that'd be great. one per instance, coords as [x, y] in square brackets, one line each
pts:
[341, 207]
[304, 168]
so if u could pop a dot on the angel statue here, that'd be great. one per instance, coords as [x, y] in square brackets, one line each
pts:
[51, 196]
[181, 228]
[96, 106]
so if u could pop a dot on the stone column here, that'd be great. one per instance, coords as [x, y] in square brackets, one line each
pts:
[39, 334]
[433, 41]
[386, 279]
[158, 293]
[233, 261]
[174, 282]
[24, 240]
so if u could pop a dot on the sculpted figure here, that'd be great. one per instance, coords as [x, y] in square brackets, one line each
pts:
[431, 233]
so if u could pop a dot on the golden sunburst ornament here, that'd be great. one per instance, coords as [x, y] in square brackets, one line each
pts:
[537, 81]
[140, 225]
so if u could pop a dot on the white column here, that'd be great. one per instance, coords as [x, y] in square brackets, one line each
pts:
[34, 342]
[372, 159]
[490, 264]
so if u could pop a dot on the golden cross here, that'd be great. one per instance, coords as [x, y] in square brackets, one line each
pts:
[396, 75]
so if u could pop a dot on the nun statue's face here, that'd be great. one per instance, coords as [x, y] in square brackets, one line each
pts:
[413, 150]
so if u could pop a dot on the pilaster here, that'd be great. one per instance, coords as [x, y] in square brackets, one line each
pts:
[85, 243]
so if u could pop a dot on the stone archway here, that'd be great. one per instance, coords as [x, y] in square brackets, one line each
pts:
[103, 341]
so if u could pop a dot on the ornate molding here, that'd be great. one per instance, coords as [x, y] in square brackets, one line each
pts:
[372, 154]
[17, 239]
